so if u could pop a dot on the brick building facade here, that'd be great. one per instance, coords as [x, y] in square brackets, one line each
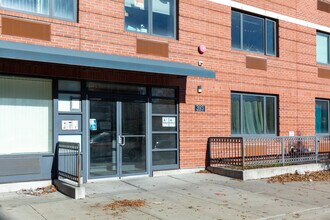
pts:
[292, 75]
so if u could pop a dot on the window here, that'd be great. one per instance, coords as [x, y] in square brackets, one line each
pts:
[252, 33]
[25, 115]
[164, 128]
[322, 116]
[155, 17]
[322, 48]
[62, 9]
[253, 114]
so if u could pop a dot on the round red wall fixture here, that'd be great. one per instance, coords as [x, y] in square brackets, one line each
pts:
[201, 49]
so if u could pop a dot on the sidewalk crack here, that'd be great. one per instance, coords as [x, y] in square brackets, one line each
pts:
[38, 212]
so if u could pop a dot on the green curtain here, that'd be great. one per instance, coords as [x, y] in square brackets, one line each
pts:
[318, 118]
[270, 115]
[235, 114]
[321, 116]
[253, 115]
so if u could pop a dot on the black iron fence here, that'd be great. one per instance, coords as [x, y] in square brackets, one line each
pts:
[251, 152]
[69, 161]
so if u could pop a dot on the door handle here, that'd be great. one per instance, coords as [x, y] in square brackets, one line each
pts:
[121, 140]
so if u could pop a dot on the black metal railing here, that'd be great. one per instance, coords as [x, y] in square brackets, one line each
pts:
[248, 152]
[69, 161]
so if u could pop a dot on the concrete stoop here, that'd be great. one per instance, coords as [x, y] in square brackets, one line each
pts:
[261, 173]
[70, 190]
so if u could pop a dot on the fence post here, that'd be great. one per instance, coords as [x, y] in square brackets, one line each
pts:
[283, 161]
[243, 153]
[79, 166]
[316, 149]
[210, 151]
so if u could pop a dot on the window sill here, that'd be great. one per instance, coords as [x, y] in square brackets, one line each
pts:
[252, 53]
[144, 34]
[254, 135]
[22, 155]
[323, 65]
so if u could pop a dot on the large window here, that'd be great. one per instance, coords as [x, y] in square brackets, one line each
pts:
[25, 115]
[62, 9]
[253, 114]
[252, 33]
[322, 48]
[322, 116]
[156, 17]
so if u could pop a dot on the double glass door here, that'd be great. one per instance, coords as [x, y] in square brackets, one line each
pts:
[117, 137]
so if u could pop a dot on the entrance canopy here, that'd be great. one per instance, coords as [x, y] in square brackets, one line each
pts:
[29, 52]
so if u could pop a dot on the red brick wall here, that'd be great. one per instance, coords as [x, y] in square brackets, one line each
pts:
[292, 76]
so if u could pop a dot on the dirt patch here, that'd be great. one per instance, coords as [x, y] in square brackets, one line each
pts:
[39, 191]
[125, 203]
[121, 206]
[203, 171]
[307, 177]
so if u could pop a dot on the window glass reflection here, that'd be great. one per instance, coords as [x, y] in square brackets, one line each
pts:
[252, 33]
[164, 141]
[321, 117]
[236, 30]
[164, 158]
[163, 17]
[270, 37]
[322, 48]
[253, 29]
[64, 9]
[34, 6]
[136, 15]
[163, 106]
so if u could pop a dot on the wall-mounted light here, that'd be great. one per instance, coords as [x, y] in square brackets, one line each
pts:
[199, 89]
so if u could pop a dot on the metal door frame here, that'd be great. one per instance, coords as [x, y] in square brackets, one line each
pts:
[119, 100]
[120, 133]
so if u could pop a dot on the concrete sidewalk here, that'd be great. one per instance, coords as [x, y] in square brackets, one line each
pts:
[185, 196]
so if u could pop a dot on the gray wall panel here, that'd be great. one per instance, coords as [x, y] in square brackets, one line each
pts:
[33, 172]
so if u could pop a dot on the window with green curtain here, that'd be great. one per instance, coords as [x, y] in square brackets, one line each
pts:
[25, 115]
[322, 116]
[253, 114]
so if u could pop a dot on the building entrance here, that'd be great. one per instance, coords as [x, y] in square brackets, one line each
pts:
[117, 139]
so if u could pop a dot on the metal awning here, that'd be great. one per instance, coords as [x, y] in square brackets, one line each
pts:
[29, 52]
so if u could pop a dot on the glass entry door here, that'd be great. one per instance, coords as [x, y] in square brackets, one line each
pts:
[117, 138]
[103, 138]
[133, 137]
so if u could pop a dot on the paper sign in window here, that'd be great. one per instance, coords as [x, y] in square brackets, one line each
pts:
[75, 104]
[161, 6]
[168, 122]
[69, 125]
[92, 124]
